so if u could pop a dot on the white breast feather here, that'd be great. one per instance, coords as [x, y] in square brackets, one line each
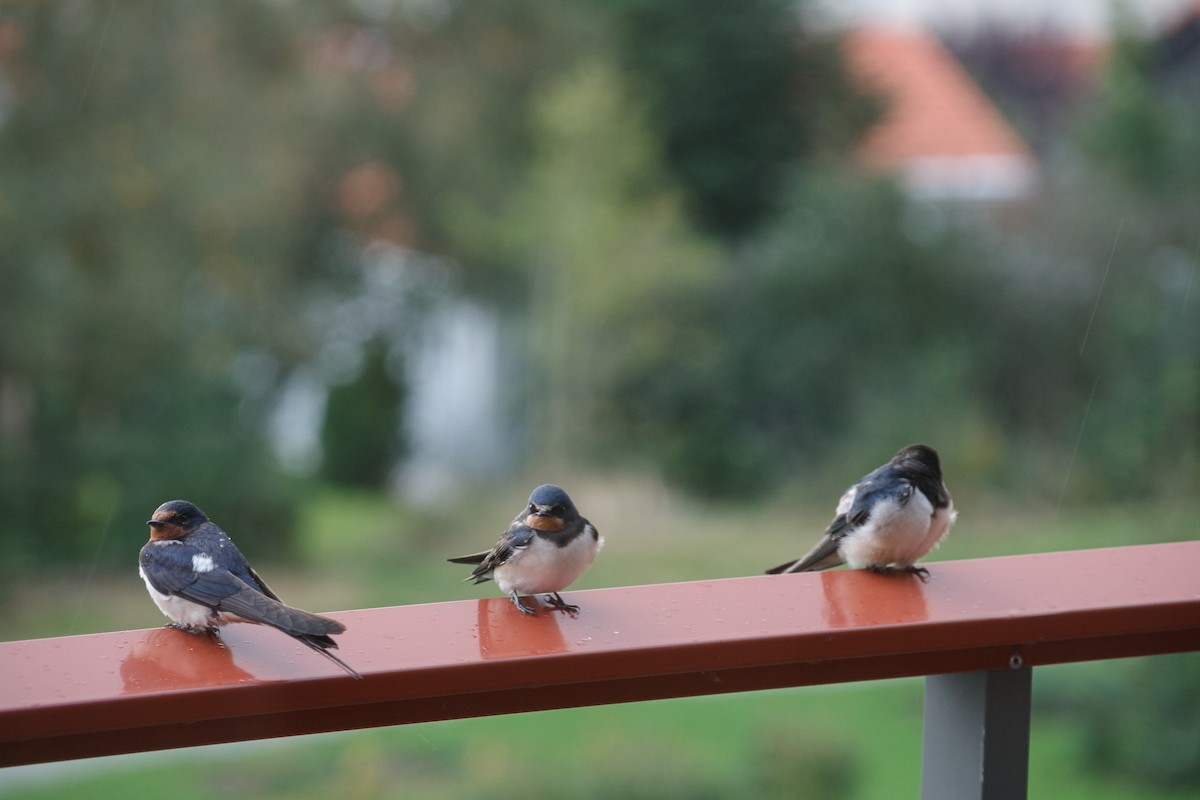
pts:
[544, 567]
[177, 609]
[893, 535]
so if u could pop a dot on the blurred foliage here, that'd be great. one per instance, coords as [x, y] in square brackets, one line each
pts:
[360, 437]
[1141, 345]
[1146, 729]
[655, 196]
[1051, 350]
[609, 248]
[148, 213]
[1146, 127]
[182, 184]
[797, 761]
[735, 98]
[836, 314]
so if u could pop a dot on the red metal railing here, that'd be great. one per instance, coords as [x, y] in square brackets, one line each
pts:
[109, 693]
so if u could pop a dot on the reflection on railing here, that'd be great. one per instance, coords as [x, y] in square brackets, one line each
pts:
[847, 603]
[166, 658]
[504, 632]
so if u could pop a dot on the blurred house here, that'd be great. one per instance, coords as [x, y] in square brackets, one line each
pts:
[940, 135]
[1042, 78]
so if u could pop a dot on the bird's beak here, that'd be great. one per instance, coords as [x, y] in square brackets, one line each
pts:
[154, 523]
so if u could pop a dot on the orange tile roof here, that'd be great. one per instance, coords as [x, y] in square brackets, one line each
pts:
[934, 108]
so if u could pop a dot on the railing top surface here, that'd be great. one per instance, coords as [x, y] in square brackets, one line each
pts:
[467, 658]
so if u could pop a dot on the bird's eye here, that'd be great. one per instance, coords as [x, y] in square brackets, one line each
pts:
[533, 507]
[556, 510]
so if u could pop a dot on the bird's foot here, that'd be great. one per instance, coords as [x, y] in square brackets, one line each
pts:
[921, 573]
[555, 600]
[179, 626]
[524, 609]
[882, 569]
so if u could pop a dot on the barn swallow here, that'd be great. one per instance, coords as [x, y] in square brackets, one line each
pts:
[545, 548]
[889, 519]
[200, 580]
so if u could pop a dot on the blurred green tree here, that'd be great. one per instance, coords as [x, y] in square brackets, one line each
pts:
[361, 437]
[464, 137]
[644, 185]
[1146, 730]
[737, 95]
[1122, 230]
[609, 248]
[835, 320]
[148, 295]
[1142, 128]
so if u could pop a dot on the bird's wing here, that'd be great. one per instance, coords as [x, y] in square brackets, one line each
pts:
[511, 545]
[852, 510]
[871, 492]
[893, 488]
[251, 604]
[171, 570]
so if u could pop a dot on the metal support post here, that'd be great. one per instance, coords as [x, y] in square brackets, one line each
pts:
[976, 740]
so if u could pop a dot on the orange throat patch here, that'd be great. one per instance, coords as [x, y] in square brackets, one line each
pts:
[548, 524]
[159, 533]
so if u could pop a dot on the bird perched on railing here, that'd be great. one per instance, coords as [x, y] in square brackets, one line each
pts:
[887, 520]
[547, 546]
[200, 580]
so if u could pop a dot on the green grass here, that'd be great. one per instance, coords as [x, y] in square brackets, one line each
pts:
[359, 550]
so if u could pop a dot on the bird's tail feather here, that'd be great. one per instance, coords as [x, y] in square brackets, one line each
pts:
[323, 644]
[779, 569]
[312, 630]
[480, 574]
[823, 556]
[474, 558]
